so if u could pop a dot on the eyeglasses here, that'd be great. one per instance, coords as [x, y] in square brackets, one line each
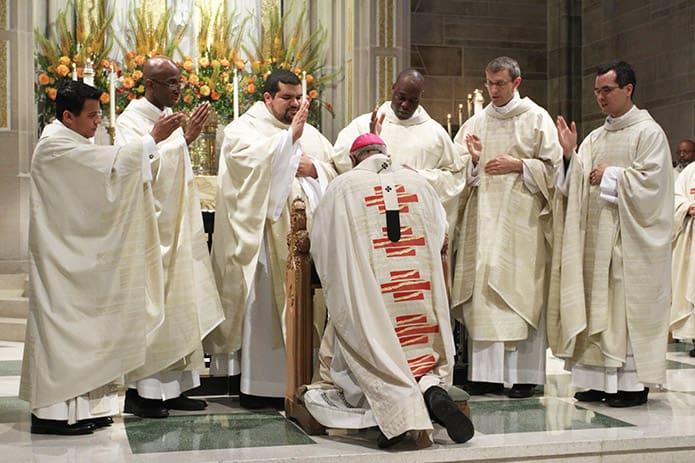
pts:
[172, 84]
[603, 91]
[498, 84]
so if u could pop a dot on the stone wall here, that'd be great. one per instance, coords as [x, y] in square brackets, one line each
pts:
[559, 44]
[656, 37]
[453, 40]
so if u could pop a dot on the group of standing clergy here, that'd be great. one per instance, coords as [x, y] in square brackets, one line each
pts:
[550, 246]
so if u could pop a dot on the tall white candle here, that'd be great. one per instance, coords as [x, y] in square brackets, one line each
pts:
[448, 124]
[470, 105]
[303, 86]
[460, 114]
[74, 71]
[112, 97]
[478, 100]
[235, 83]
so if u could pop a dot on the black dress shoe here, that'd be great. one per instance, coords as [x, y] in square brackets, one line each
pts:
[692, 353]
[521, 391]
[185, 403]
[256, 402]
[628, 398]
[482, 387]
[384, 442]
[445, 412]
[101, 422]
[592, 395]
[142, 407]
[60, 427]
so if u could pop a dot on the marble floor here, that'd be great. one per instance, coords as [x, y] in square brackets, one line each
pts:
[549, 427]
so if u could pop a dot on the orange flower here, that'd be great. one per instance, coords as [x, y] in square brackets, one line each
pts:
[139, 60]
[52, 92]
[44, 79]
[309, 79]
[137, 74]
[214, 63]
[239, 64]
[255, 65]
[193, 79]
[215, 96]
[62, 70]
[64, 60]
[313, 94]
[251, 88]
[188, 66]
[188, 99]
[252, 79]
[204, 90]
[131, 96]
[104, 98]
[77, 58]
[128, 82]
[203, 62]
[297, 71]
[224, 62]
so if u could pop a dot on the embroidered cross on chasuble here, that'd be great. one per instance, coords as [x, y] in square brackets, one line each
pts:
[403, 288]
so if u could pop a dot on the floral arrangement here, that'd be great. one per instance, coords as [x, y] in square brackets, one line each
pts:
[147, 37]
[210, 77]
[303, 57]
[57, 62]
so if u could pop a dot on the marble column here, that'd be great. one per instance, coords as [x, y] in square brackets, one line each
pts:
[17, 130]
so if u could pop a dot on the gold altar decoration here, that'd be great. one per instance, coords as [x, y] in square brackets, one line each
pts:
[202, 150]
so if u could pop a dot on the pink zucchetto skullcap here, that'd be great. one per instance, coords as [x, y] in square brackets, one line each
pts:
[368, 141]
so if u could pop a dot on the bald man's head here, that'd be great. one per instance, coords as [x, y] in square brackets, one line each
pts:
[162, 81]
[406, 93]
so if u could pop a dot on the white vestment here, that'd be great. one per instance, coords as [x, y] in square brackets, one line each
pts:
[611, 276]
[387, 300]
[256, 184]
[683, 264]
[93, 252]
[418, 142]
[192, 305]
[502, 246]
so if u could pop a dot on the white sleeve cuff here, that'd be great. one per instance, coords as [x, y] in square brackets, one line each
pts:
[609, 184]
[472, 177]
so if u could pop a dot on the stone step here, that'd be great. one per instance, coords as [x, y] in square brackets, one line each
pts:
[12, 329]
[14, 281]
[15, 306]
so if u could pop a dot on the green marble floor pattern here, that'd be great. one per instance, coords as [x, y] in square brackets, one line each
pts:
[10, 367]
[536, 415]
[211, 432]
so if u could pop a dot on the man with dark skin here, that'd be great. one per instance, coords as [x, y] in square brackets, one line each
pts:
[686, 155]
[191, 302]
[414, 140]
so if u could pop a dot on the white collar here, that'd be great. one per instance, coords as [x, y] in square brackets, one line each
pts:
[513, 103]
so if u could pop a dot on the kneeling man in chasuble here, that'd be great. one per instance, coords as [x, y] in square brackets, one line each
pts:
[94, 254]
[191, 304]
[387, 355]
[269, 157]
